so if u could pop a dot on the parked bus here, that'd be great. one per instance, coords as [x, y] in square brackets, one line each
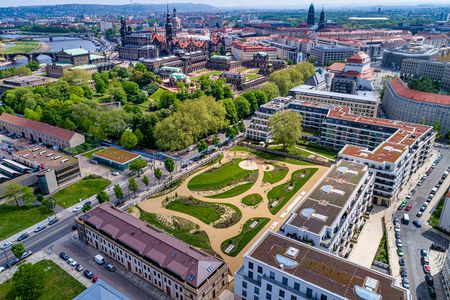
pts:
[405, 219]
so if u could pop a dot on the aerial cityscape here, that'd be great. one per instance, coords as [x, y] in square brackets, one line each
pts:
[240, 150]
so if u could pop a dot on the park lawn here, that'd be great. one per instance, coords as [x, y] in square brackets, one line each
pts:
[207, 212]
[270, 156]
[237, 190]
[21, 47]
[220, 177]
[91, 153]
[291, 150]
[242, 69]
[436, 215]
[252, 199]
[181, 229]
[13, 219]
[282, 194]
[382, 252]
[157, 94]
[319, 149]
[58, 284]
[243, 238]
[277, 174]
[250, 76]
[82, 189]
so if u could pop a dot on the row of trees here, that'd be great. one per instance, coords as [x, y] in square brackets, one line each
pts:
[291, 77]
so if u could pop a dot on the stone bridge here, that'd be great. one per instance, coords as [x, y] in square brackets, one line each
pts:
[29, 56]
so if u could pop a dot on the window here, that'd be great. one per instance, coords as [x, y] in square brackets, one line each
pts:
[250, 274]
[272, 275]
[281, 293]
[259, 269]
[293, 297]
[268, 296]
[284, 280]
[269, 287]
[308, 293]
[296, 286]
[250, 265]
[244, 293]
[323, 297]
[256, 290]
[244, 284]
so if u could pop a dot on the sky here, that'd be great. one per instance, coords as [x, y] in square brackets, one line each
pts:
[230, 3]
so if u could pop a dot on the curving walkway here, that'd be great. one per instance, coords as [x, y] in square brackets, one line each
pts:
[218, 235]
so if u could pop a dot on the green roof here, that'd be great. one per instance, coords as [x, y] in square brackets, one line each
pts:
[178, 76]
[76, 51]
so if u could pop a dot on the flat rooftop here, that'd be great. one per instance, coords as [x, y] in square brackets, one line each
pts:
[51, 159]
[330, 197]
[310, 90]
[327, 271]
[116, 155]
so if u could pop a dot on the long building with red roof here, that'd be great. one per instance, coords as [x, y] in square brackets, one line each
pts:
[405, 104]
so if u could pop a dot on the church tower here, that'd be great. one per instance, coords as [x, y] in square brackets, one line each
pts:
[169, 28]
[311, 16]
[322, 20]
[123, 30]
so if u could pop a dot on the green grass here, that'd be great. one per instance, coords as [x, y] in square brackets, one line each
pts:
[207, 212]
[382, 252]
[436, 215]
[252, 200]
[242, 69]
[250, 76]
[91, 153]
[270, 156]
[21, 47]
[282, 194]
[243, 238]
[82, 189]
[181, 229]
[14, 219]
[277, 174]
[157, 94]
[220, 177]
[319, 149]
[291, 150]
[58, 284]
[237, 190]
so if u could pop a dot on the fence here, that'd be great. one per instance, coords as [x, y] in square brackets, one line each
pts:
[280, 153]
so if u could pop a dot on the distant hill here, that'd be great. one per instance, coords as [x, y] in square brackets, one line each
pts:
[99, 9]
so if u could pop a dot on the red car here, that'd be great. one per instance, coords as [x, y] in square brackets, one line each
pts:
[408, 207]
[426, 269]
[95, 279]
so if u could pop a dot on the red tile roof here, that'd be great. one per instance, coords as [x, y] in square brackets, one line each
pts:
[40, 127]
[402, 90]
[164, 250]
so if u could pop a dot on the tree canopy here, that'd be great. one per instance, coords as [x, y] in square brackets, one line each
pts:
[285, 127]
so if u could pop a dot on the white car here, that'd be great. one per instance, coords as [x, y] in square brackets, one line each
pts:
[77, 208]
[6, 245]
[115, 173]
[2, 269]
[71, 261]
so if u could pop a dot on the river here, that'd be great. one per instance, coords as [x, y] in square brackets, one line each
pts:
[57, 44]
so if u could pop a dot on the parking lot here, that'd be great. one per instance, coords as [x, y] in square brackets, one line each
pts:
[416, 235]
[121, 279]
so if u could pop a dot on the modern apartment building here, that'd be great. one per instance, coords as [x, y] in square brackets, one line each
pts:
[444, 220]
[330, 54]
[445, 275]
[393, 58]
[416, 68]
[333, 211]
[363, 103]
[402, 103]
[178, 269]
[393, 150]
[278, 267]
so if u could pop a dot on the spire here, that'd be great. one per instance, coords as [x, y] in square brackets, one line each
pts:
[311, 16]
[322, 20]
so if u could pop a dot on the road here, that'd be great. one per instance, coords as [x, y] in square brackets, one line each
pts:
[415, 239]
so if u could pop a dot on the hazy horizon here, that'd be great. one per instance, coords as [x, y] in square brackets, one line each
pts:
[232, 3]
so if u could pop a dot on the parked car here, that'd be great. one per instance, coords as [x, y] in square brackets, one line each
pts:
[115, 173]
[23, 236]
[6, 245]
[426, 269]
[95, 279]
[397, 235]
[88, 274]
[40, 228]
[403, 272]
[409, 196]
[400, 252]
[396, 220]
[26, 254]
[402, 262]
[419, 214]
[99, 259]
[78, 267]
[405, 283]
[12, 262]
[417, 223]
[77, 208]
[53, 221]
[423, 252]
[110, 267]
[64, 255]
[2, 269]
[429, 279]
[438, 247]
[424, 260]
[402, 205]
[399, 243]
[422, 208]
[432, 292]
[408, 207]
[71, 261]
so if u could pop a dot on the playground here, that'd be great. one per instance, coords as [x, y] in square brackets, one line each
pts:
[234, 201]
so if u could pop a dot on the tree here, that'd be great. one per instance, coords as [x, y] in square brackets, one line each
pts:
[27, 282]
[118, 192]
[86, 207]
[230, 108]
[158, 173]
[232, 132]
[132, 185]
[312, 59]
[102, 197]
[242, 107]
[33, 65]
[166, 100]
[215, 140]
[202, 146]
[285, 127]
[14, 190]
[137, 165]
[169, 164]
[146, 181]
[28, 196]
[48, 203]
[18, 250]
[128, 140]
